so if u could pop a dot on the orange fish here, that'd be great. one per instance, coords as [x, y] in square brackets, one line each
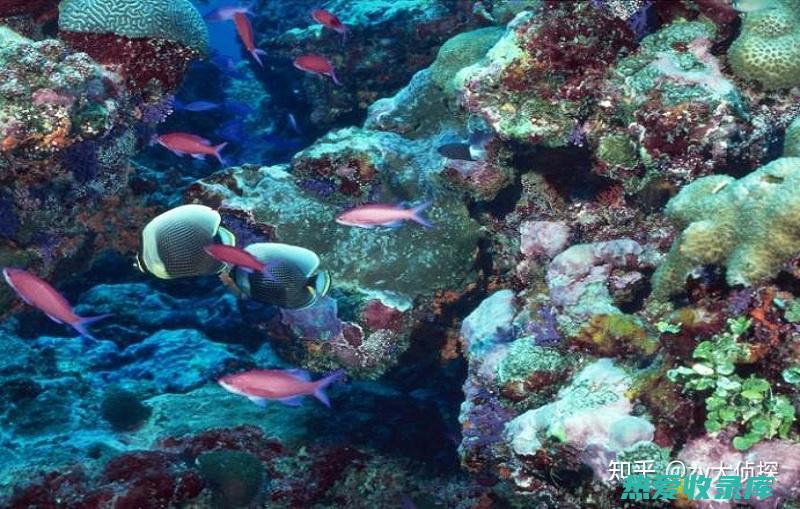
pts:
[181, 144]
[39, 294]
[316, 64]
[238, 257]
[370, 216]
[329, 20]
[285, 385]
[245, 30]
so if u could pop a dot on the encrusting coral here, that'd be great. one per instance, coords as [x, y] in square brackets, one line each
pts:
[749, 225]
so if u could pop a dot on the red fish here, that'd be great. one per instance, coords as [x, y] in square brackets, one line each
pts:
[39, 294]
[370, 216]
[181, 144]
[329, 20]
[285, 385]
[316, 64]
[245, 30]
[233, 255]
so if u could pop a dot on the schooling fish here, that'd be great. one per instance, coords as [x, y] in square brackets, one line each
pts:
[237, 257]
[196, 106]
[753, 5]
[226, 13]
[173, 244]
[285, 385]
[39, 294]
[245, 30]
[182, 144]
[370, 216]
[293, 281]
[329, 20]
[316, 64]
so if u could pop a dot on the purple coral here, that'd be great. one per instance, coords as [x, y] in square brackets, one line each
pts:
[545, 330]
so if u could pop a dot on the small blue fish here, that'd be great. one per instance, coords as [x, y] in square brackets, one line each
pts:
[293, 123]
[196, 106]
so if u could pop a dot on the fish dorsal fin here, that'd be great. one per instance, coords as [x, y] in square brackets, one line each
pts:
[305, 259]
[300, 373]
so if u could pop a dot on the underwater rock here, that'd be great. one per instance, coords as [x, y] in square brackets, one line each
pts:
[491, 323]
[176, 360]
[534, 83]
[546, 238]
[791, 141]
[746, 225]
[397, 267]
[668, 111]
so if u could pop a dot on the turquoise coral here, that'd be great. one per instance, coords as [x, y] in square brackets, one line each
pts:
[768, 49]
[747, 225]
[174, 20]
[791, 142]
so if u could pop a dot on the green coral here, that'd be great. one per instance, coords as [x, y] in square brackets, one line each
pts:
[748, 402]
[460, 51]
[791, 142]
[174, 20]
[617, 150]
[768, 49]
[748, 225]
[524, 358]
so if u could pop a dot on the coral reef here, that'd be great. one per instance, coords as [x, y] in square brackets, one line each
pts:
[745, 225]
[766, 51]
[156, 44]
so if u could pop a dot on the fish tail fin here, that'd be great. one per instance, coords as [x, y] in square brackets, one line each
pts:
[322, 283]
[257, 55]
[322, 384]
[82, 324]
[217, 150]
[416, 214]
[334, 78]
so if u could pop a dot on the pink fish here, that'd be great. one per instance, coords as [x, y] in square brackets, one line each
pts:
[233, 255]
[39, 294]
[316, 64]
[181, 144]
[287, 386]
[329, 20]
[370, 216]
[245, 30]
[226, 13]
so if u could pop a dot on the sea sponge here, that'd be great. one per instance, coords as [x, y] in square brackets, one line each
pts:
[173, 20]
[751, 226]
[123, 410]
[768, 49]
[791, 142]
[235, 477]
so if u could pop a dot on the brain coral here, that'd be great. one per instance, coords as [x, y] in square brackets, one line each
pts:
[750, 225]
[174, 20]
[768, 49]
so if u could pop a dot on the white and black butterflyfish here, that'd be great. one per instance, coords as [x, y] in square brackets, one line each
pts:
[293, 281]
[173, 243]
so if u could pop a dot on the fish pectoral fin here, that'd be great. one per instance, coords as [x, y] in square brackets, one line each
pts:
[178, 152]
[54, 318]
[199, 156]
[292, 401]
[262, 402]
